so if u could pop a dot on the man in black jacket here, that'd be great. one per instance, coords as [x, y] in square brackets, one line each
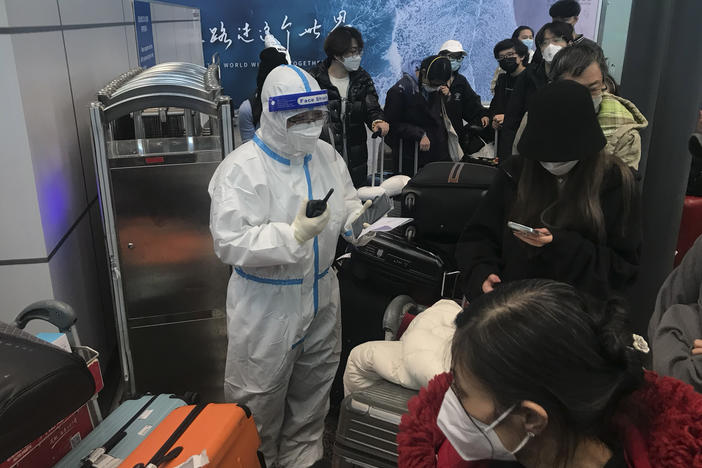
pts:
[462, 103]
[568, 11]
[353, 101]
[512, 55]
[413, 107]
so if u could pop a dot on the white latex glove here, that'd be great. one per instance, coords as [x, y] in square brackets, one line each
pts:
[366, 238]
[305, 228]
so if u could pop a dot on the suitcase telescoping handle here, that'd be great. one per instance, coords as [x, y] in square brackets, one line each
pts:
[401, 157]
[379, 157]
[57, 313]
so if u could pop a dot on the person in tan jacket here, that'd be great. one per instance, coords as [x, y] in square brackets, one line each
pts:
[619, 118]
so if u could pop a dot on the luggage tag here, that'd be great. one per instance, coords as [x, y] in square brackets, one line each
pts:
[106, 461]
[196, 461]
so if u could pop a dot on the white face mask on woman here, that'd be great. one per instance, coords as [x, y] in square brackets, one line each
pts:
[302, 138]
[559, 169]
[550, 51]
[472, 439]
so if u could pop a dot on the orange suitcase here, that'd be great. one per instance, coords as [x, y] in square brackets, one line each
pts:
[226, 432]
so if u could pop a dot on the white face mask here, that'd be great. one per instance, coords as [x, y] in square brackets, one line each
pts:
[472, 439]
[351, 63]
[550, 52]
[597, 101]
[559, 169]
[456, 64]
[302, 138]
[430, 89]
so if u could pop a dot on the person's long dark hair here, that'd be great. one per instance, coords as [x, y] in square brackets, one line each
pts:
[576, 205]
[543, 341]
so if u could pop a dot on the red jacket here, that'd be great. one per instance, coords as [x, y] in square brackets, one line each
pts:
[672, 438]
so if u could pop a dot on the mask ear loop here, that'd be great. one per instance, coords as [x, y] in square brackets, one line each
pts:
[525, 440]
[501, 418]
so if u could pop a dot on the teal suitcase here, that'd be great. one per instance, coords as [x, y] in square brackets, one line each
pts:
[138, 417]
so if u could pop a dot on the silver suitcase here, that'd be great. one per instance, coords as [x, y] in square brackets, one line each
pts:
[368, 424]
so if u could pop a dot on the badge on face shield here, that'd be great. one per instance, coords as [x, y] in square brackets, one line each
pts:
[298, 101]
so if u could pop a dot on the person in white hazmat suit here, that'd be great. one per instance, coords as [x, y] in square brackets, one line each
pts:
[284, 324]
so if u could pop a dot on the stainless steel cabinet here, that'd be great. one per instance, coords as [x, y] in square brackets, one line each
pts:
[158, 136]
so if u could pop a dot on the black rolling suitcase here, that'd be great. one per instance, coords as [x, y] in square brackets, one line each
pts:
[388, 266]
[393, 265]
[368, 424]
[442, 197]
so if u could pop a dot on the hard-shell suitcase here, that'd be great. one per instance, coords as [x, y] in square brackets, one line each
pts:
[386, 267]
[226, 433]
[442, 197]
[392, 264]
[368, 424]
[122, 432]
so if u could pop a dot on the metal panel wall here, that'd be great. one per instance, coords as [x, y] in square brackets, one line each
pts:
[22, 236]
[29, 13]
[89, 69]
[51, 130]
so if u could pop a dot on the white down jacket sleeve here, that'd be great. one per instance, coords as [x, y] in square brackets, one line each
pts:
[424, 350]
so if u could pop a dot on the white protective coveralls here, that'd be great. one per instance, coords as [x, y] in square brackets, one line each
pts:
[283, 314]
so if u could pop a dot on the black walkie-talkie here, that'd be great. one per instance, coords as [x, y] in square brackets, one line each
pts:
[316, 207]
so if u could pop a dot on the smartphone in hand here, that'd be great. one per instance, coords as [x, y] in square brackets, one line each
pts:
[522, 228]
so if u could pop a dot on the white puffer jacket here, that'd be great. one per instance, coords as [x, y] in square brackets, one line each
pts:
[423, 351]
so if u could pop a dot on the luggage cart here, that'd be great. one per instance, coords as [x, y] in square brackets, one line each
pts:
[158, 136]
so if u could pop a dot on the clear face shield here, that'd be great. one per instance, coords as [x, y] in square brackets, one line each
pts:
[317, 116]
[305, 116]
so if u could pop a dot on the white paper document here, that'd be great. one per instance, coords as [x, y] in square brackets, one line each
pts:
[385, 224]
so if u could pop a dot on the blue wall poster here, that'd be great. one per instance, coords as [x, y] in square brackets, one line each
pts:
[144, 34]
[394, 32]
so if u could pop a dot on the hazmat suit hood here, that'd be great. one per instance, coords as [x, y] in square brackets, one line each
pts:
[286, 80]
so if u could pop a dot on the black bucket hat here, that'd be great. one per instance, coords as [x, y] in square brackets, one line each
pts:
[270, 59]
[562, 125]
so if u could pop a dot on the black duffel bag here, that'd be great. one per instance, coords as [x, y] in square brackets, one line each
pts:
[40, 384]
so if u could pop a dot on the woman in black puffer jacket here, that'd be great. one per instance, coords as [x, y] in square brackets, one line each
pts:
[353, 101]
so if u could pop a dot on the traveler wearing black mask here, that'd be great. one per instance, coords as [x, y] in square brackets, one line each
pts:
[512, 55]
